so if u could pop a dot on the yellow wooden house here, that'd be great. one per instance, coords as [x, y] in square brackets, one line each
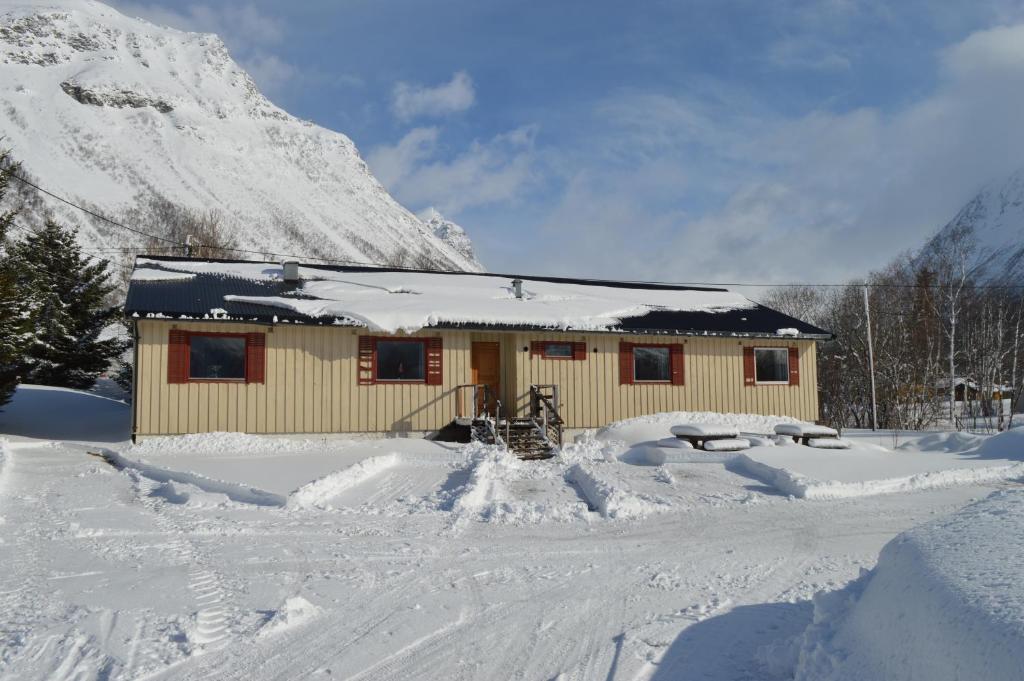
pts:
[288, 348]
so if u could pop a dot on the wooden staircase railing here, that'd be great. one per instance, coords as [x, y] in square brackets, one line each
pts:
[544, 411]
[531, 437]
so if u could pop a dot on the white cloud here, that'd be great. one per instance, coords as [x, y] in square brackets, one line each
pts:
[997, 51]
[249, 34]
[715, 187]
[393, 164]
[412, 101]
[243, 24]
[486, 172]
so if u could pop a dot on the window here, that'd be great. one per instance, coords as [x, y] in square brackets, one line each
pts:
[651, 364]
[401, 360]
[771, 365]
[212, 357]
[558, 349]
[386, 359]
[216, 357]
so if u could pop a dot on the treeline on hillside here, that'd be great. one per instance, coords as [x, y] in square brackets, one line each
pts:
[55, 305]
[937, 322]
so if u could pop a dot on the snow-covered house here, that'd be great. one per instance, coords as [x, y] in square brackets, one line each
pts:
[265, 347]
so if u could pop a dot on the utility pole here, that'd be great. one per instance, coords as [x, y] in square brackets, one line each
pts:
[871, 361]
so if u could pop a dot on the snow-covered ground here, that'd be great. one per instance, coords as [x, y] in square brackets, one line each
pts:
[231, 557]
[945, 602]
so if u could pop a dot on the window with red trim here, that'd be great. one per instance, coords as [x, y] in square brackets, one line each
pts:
[651, 363]
[403, 360]
[203, 357]
[559, 349]
[386, 359]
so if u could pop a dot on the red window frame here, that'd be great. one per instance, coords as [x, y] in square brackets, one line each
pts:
[180, 351]
[632, 349]
[433, 358]
[393, 381]
[540, 349]
[750, 365]
[676, 363]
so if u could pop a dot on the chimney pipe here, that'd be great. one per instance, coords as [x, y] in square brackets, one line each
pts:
[291, 271]
[517, 288]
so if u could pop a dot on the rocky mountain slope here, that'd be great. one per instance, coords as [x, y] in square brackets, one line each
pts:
[111, 111]
[993, 223]
[449, 232]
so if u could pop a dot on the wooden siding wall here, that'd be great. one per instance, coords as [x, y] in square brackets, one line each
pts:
[311, 384]
[591, 395]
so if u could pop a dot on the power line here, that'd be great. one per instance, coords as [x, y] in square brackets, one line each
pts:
[177, 244]
[180, 244]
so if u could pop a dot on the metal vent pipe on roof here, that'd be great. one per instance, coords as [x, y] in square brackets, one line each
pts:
[290, 271]
[517, 288]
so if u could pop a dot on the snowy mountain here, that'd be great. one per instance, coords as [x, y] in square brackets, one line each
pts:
[449, 232]
[112, 111]
[994, 219]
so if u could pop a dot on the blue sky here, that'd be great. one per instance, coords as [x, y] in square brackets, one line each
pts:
[694, 141]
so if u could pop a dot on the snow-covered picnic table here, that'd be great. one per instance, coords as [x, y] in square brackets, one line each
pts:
[813, 435]
[712, 437]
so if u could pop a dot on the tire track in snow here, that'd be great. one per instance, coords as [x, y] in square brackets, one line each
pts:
[212, 622]
[22, 603]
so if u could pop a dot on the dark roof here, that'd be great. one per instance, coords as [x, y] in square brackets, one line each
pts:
[194, 298]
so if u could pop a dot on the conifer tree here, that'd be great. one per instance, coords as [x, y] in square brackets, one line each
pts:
[69, 299]
[15, 314]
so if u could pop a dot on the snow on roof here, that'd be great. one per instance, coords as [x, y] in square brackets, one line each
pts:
[153, 274]
[391, 301]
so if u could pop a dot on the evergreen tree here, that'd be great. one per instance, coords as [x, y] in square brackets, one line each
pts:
[15, 312]
[69, 300]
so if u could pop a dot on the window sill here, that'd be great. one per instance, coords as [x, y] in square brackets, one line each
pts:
[384, 381]
[215, 380]
[771, 382]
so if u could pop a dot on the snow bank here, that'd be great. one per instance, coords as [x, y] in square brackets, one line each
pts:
[487, 487]
[493, 491]
[945, 442]
[1006, 445]
[222, 443]
[318, 493]
[408, 301]
[49, 413]
[657, 426]
[240, 493]
[945, 602]
[864, 472]
[609, 495]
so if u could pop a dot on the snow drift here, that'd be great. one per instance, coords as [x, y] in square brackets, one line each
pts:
[945, 602]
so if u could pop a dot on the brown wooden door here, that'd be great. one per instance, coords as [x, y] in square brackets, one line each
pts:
[485, 362]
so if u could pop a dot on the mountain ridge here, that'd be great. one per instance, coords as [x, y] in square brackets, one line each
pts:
[110, 111]
[992, 221]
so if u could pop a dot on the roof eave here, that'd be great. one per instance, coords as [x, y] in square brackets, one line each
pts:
[164, 316]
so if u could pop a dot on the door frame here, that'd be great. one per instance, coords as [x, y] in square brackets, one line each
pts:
[475, 348]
